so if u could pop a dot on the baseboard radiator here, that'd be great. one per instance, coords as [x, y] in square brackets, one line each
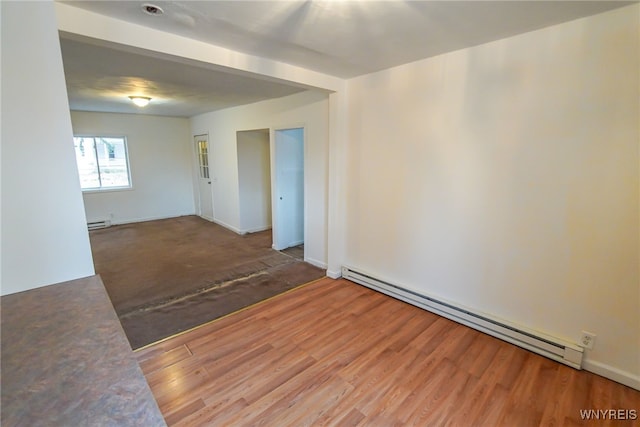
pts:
[95, 225]
[551, 347]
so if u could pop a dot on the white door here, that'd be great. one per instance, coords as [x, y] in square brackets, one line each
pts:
[205, 209]
[289, 195]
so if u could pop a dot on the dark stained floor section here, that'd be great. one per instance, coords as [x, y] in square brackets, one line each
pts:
[167, 276]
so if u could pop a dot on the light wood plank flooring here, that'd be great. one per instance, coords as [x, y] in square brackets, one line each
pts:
[335, 353]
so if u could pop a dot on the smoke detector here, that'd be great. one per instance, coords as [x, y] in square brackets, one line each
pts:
[152, 9]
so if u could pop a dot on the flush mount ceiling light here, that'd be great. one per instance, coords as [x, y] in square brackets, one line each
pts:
[152, 9]
[140, 101]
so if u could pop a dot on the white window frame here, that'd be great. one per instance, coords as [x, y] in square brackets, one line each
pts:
[102, 189]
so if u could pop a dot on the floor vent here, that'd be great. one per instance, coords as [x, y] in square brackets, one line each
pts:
[95, 225]
[551, 347]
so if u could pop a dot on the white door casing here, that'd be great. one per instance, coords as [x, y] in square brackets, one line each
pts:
[288, 212]
[205, 195]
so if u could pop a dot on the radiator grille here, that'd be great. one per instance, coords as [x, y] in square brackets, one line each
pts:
[95, 225]
[551, 347]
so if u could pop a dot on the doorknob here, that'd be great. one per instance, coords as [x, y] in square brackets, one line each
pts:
[209, 182]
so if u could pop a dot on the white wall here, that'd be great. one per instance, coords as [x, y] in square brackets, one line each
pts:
[44, 233]
[307, 109]
[160, 159]
[505, 177]
[254, 180]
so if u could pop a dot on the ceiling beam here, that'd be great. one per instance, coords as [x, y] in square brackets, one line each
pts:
[74, 22]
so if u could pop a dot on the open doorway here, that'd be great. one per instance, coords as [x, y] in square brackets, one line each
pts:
[254, 180]
[170, 275]
[288, 188]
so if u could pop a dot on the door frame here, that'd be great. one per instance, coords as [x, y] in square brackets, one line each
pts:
[198, 176]
[274, 183]
[269, 181]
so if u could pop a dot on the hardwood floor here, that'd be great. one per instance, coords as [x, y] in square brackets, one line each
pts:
[335, 353]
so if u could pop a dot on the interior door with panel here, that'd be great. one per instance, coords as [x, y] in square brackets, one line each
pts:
[289, 195]
[205, 195]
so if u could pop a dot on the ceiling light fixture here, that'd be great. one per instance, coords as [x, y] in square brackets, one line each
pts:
[152, 9]
[140, 101]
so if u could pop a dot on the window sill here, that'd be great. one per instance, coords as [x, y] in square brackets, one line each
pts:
[106, 190]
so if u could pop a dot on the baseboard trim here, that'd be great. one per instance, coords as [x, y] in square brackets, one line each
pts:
[334, 274]
[614, 374]
[217, 221]
[145, 219]
[228, 227]
[316, 263]
[255, 230]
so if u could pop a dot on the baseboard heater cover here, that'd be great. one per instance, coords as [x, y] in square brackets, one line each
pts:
[551, 347]
[95, 225]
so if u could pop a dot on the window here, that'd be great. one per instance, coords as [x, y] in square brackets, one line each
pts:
[203, 158]
[102, 162]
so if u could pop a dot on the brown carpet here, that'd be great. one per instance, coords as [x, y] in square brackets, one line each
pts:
[167, 276]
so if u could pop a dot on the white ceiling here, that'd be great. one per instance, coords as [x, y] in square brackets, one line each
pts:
[340, 38]
[102, 78]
